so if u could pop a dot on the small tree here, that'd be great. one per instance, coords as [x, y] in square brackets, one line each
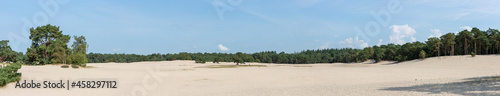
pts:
[422, 54]
[79, 54]
[201, 60]
[472, 54]
[217, 60]
[238, 60]
[78, 59]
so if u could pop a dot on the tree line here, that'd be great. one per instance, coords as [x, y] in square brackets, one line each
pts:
[463, 43]
[49, 46]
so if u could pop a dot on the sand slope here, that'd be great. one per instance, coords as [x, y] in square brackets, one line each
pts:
[455, 75]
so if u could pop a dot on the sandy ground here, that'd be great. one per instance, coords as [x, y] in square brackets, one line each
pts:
[457, 75]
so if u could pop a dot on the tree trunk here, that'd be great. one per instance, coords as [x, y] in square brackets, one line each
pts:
[447, 50]
[438, 51]
[475, 47]
[465, 45]
[4, 58]
[487, 51]
[452, 50]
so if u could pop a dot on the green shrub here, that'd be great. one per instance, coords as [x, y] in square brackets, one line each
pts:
[422, 54]
[64, 66]
[9, 73]
[472, 54]
[200, 60]
[3, 81]
[238, 60]
[217, 59]
[78, 59]
[74, 66]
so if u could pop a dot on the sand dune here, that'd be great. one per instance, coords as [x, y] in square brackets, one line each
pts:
[449, 75]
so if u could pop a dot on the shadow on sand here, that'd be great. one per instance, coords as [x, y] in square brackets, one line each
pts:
[479, 86]
[391, 63]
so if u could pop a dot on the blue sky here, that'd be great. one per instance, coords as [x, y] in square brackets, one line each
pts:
[172, 26]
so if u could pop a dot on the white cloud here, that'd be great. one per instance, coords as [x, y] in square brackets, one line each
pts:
[466, 27]
[400, 32]
[223, 48]
[325, 46]
[379, 42]
[435, 33]
[354, 43]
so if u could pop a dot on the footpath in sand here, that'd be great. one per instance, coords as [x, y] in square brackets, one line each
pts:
[455, 75]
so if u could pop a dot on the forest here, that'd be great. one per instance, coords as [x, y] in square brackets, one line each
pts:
[465, 42]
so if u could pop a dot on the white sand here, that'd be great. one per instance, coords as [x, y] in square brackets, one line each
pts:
[432, 76]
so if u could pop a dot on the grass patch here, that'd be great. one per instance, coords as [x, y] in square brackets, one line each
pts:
[302, 66]
[282, 65]
[229, 66]
[64, 66]
[487, 79]
[89, 67]
[74, 66]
